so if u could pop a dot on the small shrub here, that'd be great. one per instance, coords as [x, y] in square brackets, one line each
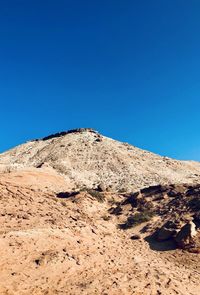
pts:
[63, 204]
[136, 219]
[115, 210]
[106, 217]
[83, 189]
[95, 194]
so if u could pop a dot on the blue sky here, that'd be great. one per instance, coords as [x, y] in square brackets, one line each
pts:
[130, 69]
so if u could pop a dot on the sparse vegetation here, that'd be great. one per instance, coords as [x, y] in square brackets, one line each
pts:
[95, 194]
[63, 204]
[116, 210]
[136, 219]
[106, 217]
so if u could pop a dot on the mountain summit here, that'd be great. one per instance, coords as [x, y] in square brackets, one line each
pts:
[89, 159]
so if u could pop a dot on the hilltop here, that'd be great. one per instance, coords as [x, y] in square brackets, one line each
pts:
[89, 159]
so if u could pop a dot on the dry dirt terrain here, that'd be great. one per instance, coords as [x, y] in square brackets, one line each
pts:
[59, 236]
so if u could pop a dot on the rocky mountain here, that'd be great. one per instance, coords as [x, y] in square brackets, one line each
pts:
[81, 213]
[88, 159]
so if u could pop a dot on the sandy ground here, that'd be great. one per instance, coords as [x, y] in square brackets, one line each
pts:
[54, 244]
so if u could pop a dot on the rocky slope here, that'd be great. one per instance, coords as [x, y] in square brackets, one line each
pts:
[89, 159]
[78, 216]
[64, 242]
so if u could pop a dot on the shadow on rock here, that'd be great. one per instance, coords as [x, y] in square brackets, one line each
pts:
[66, 195]
[160, 245]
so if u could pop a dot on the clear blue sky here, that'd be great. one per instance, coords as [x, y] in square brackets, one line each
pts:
[130, 69]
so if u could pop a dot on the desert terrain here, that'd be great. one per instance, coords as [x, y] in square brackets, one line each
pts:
[85, 214]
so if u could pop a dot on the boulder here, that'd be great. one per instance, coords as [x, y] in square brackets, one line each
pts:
[165, 233]
[186, 235]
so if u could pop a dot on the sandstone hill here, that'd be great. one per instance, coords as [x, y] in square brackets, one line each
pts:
[84, 214]
[88, 159]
